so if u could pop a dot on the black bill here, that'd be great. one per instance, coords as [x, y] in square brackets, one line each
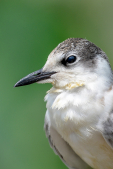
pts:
[34, 77]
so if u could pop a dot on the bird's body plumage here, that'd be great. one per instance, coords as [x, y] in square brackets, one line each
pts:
[78, 123]
[79, 117]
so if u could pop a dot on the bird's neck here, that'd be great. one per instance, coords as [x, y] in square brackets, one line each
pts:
[97, 84]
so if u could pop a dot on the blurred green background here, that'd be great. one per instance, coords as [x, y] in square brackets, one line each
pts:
[29, 30]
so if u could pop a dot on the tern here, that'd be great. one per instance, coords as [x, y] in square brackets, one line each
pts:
[79, 116]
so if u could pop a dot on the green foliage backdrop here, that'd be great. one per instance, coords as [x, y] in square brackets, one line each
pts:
[29, 30]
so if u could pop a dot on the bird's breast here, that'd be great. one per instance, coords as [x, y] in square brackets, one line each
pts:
[75, 116]
[68, 108]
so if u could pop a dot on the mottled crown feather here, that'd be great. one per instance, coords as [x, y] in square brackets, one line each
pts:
[85, 48]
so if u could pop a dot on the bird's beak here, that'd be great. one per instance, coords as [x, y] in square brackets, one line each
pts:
[36, 76]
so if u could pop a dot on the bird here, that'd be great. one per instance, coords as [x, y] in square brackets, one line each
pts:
[79, 117]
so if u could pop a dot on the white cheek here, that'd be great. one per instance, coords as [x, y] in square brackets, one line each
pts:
[62, 79]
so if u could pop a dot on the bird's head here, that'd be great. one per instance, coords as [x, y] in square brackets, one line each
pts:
[73, 63]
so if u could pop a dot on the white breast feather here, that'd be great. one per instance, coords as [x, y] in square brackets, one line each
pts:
[76, 114]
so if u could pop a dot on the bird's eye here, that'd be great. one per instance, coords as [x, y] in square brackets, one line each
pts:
[71, 59]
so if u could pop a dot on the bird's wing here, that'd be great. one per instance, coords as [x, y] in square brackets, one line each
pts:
[107, 129]
[63, 149]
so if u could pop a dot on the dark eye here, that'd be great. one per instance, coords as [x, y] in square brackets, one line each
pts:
[71, 59]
